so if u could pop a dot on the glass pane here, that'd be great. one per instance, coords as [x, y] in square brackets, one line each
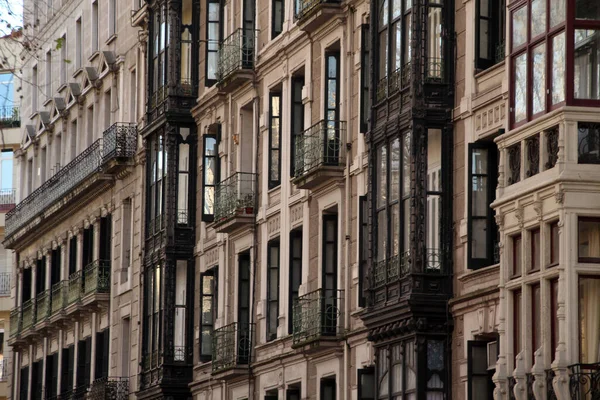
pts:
[331, 67]
[383, 13]
[383, 54]
[382, 177]
[396, 46]
[520, 100]
[538, 17]
[381, 235]
[332, 93]
[587, 64]
[479, 359]
[7, 174]
[539, 78]
[406, 224]
[589, 334]
[589, 239]
[396, 8]
[395, 170]
[557, 12]
[484, 37]
[558, 68]
[479, 161]
[408, 36]
[479, 188]
[478, 238]
[433, 221]
[406, 165]
[395, 221]
[434, 31]
[209, 200]
[434, 160]
[587, 9]
[519, 33]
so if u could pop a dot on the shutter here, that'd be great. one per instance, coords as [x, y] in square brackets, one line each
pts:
[81, 351]
[88, 360]
[54, 377]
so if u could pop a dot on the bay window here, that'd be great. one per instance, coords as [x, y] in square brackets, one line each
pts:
[160, 44]
[435, 64]
[157, 172]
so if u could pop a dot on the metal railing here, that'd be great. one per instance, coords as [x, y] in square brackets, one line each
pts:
[390, 270]
[4, 370]
[42, 306]
[120, 142]
[304, 7]
[5, 278]
[318, 314]
[27, 318]
[7, 196]
[235, 195]
[398, 79]
[97, 277]
[236, 52]
[530, 381]
[435, 69]
[10, 116]
[59, 296]
[15, 321]
[111, 388]
[232, 346]
[512, 382]
[550, 393]
[500, 51]
[75, 287]
[323, 144]
[584, 381]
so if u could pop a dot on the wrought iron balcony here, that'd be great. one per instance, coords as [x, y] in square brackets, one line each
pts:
[42, 306]
[112, 388]
[550, 393]
[500, 51]
[232, 346]
[320, 153]
[435, 69]
[97, 277]
[312, 13]
[235, 199]
[10, 117]
[119, 142]
[584, 381]
[7, 197]
[389, 271]
[59, 296]
[15, 321]
[236, 58]
[75, 287]
[398, 80]
[4, 370]
[318, 315]
[28, 313]
[5, 278]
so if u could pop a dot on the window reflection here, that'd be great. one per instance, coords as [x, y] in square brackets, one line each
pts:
[587, 64]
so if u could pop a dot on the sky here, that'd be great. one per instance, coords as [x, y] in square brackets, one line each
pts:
[11, 14]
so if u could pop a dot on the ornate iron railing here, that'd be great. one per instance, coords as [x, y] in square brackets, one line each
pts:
[589, 143]
[7, 196]
[5, 278]
[4, 370]
[323, 144]
[75, 287]
[159, 95]
[514, 163]
[235, 195]
[232, 346]
[435, 69]
[10, 116]
[318, 314]
[121, 142]
[398, 79]
[15, 321]
[550, 394]
[433, 261]
[304, 7]
[96, 277]
[552, 147]
[112, 388]
[236, 53]
[530, 380]
[512, 382]
[27, 318]
[42, 306]
[179, 353]
[390, 270]
[532, 147]
[500, 51]
[59, 296]
[80, 392]
[381, 91]
[584, 381]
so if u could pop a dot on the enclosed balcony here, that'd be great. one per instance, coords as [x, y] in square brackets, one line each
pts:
[112, 388]
[88, 175]
[27, 318]
[318, 319]
[320, 154]
[236, 59]
[235, 199]
[59, 300]
[232, 349]
[96, 282]
[311, 14]
[15, 321]
[42, 308]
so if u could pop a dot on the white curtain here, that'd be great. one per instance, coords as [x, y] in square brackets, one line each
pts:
[589, 319]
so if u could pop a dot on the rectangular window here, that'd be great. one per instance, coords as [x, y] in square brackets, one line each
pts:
[72, 255]
[84, 360]
[208, 314]
[48, 68]
[274, 140]
[482, 230]
[295, 277]
[587, 64]
[297, 118]
[534, 236]
[211, 174]
[489, 42]
[68, 361]
[63, 60]
[330, 274]
[589, 240]
[27, 284]
[34, 90]
[40, 275]
[433, 212]
[214, 33]
[157, 172]
[588, 139]
[180, 325]
[293, 393]
[125, 346]
[183, 174]
[365, 77]
[78, 44]
[553, 316]
[37, 387]
[112, 17]
[278, 9]
[273, 259]
[481, 386]
[366, 384]
[328, 389]
[94, 37]
[589, 334]
[516, 256]
[271, 395]
[51, 376]
[536, 316]
[554, 244]
[363, 247]
[332, 105]
[24, 383]
[126, 238]
[55, 263]
[88, 247]
[243, 308]
[102, 339]
[517, 341]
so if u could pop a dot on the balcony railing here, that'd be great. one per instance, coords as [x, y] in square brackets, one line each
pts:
[235, 195]
[500, 51]
[15, 321]
[550, 394]
[304, 7]
[512, 382]
[42, 306]
[5, 283]
[3, 370]
[389, 271]
[232, 346]
[10, 117]
[120, 142]
[27, 317]
[236, 53]
[7, 197]
[323, 144]
[75, 287]
[435, 69]
[113, 388]
[97, 277]
[59, 296]
[317, 315]
[584, 382]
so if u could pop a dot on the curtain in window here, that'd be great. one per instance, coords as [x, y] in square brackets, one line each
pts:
[589, 319]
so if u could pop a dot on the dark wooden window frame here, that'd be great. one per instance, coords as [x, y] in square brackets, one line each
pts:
[586, 259]
[273, 298]
[470, 373]
[210, 82]
[276, 30]
[535, 249]
[359, 375]
[272, 149]
[516, 260]
[214, 273]
[363, 250]
[365, 77]
[554, 238]
[296, 108]
[295, 235]
[210, 217]
[496, 27]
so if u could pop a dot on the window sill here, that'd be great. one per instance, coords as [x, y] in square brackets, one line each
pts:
[47, 101]
[111, 39]
[94, 55]
[481, 72]
[77, 72]
[477, 274]
[62, 87]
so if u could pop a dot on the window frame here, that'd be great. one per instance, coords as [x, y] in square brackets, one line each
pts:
[274, 28]
[470, 345]
[295, 234]
[359, 384]
[365, 77]
[577, 24]
[517, 323]
[554, 252]
[273, 299]
[580, 219]
[497, 25]
[214, 273]
[535, 249]
[208, 82]
[363, 248]
[206, 217]
[273, 183]
[516, 259]
[296, 107]
[536, 318]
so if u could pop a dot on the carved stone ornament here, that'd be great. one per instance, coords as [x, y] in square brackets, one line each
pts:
[559, 195]
[538, 206]
[519, 215]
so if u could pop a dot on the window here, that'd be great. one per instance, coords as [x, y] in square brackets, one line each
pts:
[78, 44]
[293, 393]
[482, 230]
[24, 383]
[366, 384]
[363, 247]
[187, 41]
[332, 104]
[589, 334]
[183, 176]
[55, 264]
[211, 174]
[68, 361]
[297, 118]
[516, 256]
[331, 300]
[295, 277]
[63, 60]
[102, 339]
[588, 139]
[95, 38]
[157, 172]
[517, 341]
[112, 17]
[490, 31]
[40, 274]
[72, 255]
[214, 34]
[6, 171]
[273, 259]
[125, 359]
[34, 90]
[534, 237]
[365, 77]
[243, 308]
[274, 140]
[52, 376]
[481, 386]
[37, 387]
[271, 395]
[160, 37]
[553, 316]
[433, 213]
[107, 109]
[180, 325]
[278, 10]
[208, 306]
[152, 329]
[7, 91]
[396, 371]
[87, 256]
[84, 362]
[554, 244]
[589, 240]
[536, 316]
[126, 239]
[435, 48]
[48, 67]
[537, 59]
[328, 389]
